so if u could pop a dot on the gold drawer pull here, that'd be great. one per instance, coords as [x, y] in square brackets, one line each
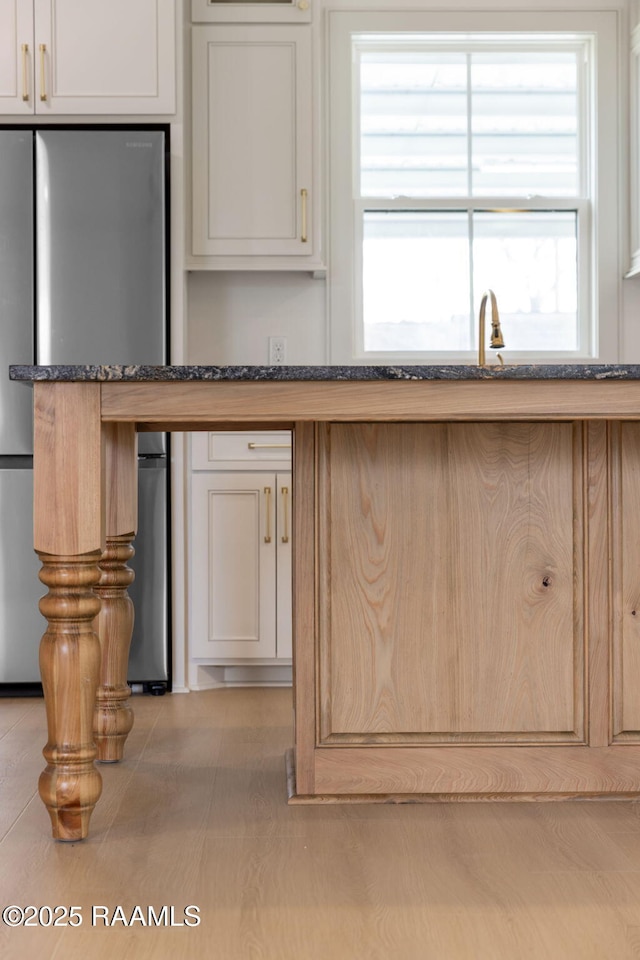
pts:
[285, 511]
[267, 500]
[43, 80]
[271, 446]
[303, 215]
[25, 74]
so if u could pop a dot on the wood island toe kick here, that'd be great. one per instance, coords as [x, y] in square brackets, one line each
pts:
[432, 775]
[466, 573]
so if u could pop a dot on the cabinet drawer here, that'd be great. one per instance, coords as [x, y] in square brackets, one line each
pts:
[238, 450]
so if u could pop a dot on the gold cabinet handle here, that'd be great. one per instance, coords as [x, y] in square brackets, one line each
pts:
[25, 72]
[43, 79]
[285, 514]
[272, 446]
[267, 501]
[303, 215]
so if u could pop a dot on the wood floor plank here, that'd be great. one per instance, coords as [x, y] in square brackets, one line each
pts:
[280, 898]
[197, 814]
[13, 709]
[21, 761]
[251, 764]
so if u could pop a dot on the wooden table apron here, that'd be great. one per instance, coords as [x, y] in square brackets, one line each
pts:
[85, 520]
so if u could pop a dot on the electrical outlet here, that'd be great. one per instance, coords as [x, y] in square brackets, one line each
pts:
[277, 350]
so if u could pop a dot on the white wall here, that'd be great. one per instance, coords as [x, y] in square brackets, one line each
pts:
[230, 316]
[630, 339]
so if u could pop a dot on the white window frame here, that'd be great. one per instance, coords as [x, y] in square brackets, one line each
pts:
[599, 239]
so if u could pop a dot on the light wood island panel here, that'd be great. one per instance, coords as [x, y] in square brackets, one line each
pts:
[453, 587]
[477, 603]
[191, 405]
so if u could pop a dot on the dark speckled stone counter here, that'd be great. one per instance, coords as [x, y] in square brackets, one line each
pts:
[565, 371]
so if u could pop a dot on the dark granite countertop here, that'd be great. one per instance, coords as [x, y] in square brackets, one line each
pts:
[560, 371]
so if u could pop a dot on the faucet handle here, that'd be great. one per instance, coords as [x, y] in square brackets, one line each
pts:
[497, 340]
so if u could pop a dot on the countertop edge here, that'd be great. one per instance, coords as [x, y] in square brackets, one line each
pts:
[279, 374]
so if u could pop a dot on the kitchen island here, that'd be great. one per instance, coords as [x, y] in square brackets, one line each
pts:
[466, 572]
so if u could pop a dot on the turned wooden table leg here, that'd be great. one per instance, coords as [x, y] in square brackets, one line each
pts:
[69, 539]
[113, 714]
[113, 718]
[69, 660]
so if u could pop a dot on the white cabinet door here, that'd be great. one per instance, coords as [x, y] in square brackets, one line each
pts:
[252, 150]
[240, 594]
[87, 57]
[16, 57]
[233, 569]
[106, 58]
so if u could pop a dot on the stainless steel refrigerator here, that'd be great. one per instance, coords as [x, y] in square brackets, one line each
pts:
[83, 279]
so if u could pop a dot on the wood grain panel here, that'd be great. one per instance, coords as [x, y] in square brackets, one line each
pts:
[305, 566]
[478, 769]
[211, 402]
[454, 595]
[599, 600]
[626, 580]
[68, 469]
[121, 478]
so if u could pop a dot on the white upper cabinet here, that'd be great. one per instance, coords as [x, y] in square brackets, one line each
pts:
[16, 56]
[87, 57]
[252, 188]
[251, 11]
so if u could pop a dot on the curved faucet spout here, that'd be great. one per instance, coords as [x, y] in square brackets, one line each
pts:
[497, 340]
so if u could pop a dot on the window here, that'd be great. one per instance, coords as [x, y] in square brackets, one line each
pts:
[463, 160]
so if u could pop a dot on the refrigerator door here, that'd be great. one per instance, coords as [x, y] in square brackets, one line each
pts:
[21, 625]
[16, 286]
[100, 218]
[149, 657]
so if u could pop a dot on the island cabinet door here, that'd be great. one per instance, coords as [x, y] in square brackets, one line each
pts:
[470, 586]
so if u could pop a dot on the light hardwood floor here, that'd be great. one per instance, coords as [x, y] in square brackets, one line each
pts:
[197, 814]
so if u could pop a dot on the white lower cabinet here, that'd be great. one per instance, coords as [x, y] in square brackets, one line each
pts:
[240, 593]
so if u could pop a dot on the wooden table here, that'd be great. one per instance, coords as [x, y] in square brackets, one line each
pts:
[85, 466]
